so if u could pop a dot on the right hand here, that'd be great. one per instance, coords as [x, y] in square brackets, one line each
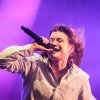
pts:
[36, 46]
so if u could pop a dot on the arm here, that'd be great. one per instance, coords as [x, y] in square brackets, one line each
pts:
[13, 58]
[19, 58]
[85, 93]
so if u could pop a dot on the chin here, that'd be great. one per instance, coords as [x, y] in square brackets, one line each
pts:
[55, 57]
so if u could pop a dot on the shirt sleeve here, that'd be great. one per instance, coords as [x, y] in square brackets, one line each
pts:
[86, 93]
[16, 58]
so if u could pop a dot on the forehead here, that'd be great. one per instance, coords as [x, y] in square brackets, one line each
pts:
[58, 34]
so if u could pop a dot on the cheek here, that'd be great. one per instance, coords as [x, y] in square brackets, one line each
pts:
[64, 46]
[65, 49]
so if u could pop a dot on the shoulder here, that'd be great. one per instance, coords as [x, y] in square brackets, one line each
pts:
[80, 73]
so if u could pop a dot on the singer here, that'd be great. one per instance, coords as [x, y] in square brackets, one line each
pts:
[55, 74]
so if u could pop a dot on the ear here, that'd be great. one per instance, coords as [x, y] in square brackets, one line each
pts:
[71, 48]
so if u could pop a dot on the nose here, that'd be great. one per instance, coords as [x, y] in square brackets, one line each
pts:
[54, 42]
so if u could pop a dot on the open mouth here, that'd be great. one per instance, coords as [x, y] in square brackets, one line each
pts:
[56, 49]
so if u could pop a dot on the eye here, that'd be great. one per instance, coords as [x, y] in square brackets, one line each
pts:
[60, 40]
[51, 40]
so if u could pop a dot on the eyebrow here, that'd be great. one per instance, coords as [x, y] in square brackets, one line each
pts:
[56, 38]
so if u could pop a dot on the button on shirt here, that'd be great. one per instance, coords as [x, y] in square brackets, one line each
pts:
[39, 82]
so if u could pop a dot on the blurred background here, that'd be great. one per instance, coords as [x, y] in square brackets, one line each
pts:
[40, 16]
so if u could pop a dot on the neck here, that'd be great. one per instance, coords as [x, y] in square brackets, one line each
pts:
[59, 65]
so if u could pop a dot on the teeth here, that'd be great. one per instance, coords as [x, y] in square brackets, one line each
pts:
[56, 49]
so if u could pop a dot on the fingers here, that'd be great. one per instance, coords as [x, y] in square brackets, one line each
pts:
[45, 40]
[44, 49]
[36, 46]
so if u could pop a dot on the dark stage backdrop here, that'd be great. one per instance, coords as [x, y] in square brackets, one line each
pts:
[40, 16]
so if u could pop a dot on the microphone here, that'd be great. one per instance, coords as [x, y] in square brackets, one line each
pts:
[35, 37]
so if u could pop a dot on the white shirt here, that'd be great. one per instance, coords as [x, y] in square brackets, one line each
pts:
[39, 82]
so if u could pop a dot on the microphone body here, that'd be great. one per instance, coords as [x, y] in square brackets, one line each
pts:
[35, 37]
